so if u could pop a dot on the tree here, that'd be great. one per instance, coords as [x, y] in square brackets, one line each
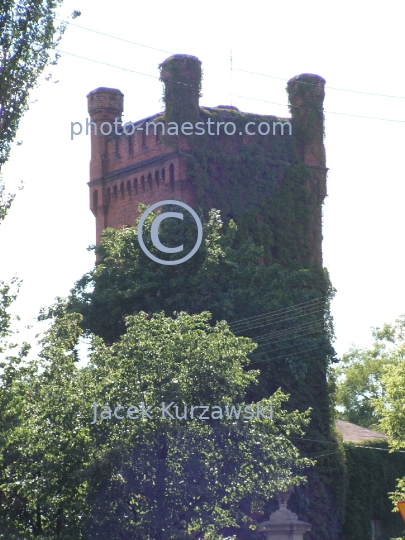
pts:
[227, 277]
[360, 375]
[390, 405]
[224, 278]
[28, 36]
[157, 478]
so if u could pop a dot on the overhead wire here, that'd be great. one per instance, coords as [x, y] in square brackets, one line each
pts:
[67, 22]
[281, 311]
[220, 65]
[277, 321]
[236, 95]
[309, 327]
[351, 445]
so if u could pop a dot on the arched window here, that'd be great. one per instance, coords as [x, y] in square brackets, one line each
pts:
[171, 175]
[136, 185]
[129, 188]
[108, 196]
[95, 201]
[142, 183]
[163, 175]
[115, 192]
[150, 181]
[122, 190]
[157, 178]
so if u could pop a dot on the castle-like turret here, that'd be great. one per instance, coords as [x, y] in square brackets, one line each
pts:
[181, 75]
[144, 162]
[306, 93]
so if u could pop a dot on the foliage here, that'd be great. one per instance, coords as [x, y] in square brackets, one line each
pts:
[180, 96]
[371, 388]
[360, 375]
[390, 406]
[227, 277]
[27, 36]
[227, 280]
[156, 479]
[370, 475]
[308, 115]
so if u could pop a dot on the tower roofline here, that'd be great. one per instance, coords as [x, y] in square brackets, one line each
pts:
[104, 89]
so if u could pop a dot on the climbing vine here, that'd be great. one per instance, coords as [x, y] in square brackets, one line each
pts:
[262, 183]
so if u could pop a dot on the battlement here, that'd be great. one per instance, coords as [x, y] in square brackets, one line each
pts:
[143, 162]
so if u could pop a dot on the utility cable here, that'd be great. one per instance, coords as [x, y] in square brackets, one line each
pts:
[220, 65]
[277, 321]
[279, 311]
[237, 95]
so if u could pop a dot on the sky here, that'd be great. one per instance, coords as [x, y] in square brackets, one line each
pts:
[356, 47]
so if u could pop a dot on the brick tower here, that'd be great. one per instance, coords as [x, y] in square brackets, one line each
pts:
[135, 163]
[268, 175]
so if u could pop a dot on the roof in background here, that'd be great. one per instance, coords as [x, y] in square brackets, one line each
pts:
[353, 433]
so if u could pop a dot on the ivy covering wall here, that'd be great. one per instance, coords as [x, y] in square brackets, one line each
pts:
[370, 476]
[263, 183]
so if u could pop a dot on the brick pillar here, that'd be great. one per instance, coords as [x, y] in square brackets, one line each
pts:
[306, 93]
[105, 106]
[181, 75]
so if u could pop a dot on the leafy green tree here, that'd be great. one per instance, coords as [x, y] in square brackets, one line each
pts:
[28, 35]
[390, 405]
[227, 277]
[360, 375]
[158, 478]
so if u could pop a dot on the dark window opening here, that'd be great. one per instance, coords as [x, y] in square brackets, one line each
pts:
[171, 175]
[144, 135]
[95, 201]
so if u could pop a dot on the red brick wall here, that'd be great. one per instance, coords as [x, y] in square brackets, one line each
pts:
[128, 169]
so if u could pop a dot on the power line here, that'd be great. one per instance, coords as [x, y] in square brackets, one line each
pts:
[351, 445]
[309, 328]
[289, 346]
[279, 311]
[314, 84]
[278, 357]
[232, 68]
[113, 37]
[278, 320]
[237, 95]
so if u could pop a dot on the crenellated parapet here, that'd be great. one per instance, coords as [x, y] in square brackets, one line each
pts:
[241, 164]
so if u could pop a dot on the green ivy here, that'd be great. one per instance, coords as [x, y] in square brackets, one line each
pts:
[179, 90]
[263, 185]
[370, 475]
